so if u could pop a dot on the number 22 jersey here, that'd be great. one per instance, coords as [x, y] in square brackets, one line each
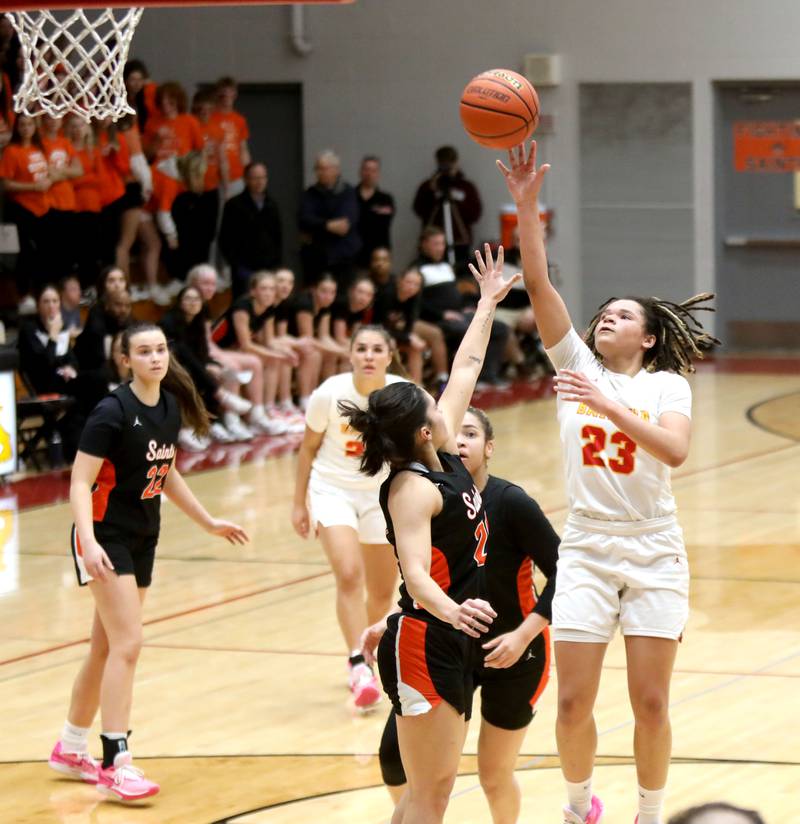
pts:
[608, 476]
[137, 444]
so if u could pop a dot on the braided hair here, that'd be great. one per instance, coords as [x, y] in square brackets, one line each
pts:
[679, 335]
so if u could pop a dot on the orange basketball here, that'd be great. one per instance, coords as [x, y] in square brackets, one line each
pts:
[499, 109]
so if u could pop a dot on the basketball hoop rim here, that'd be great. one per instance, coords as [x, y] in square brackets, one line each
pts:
[54, 5]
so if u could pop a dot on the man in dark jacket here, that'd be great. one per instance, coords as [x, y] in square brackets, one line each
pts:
[448, 190]
[328, 222]
[251, 237]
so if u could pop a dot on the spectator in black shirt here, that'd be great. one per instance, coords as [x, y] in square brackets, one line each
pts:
[48, 363]
[449, 186]
[443, 305]
[329, 224]
[397, 310]
[251, 235]
[353, 310]
[312, 319]
[376, 210]
[309, 356]
[109, 315]
[380, 267]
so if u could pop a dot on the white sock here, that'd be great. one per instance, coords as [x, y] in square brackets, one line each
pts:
[650, 803]
[74, 739]
[442, 376]
[303, 402]
[579, 796]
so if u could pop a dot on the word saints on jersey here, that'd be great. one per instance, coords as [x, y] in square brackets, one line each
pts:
[159, 453]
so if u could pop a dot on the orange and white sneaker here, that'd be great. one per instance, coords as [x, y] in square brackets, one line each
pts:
[364, 686]
[74, 764]
[124, 781]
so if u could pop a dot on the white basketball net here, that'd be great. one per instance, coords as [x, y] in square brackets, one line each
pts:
[73, 61]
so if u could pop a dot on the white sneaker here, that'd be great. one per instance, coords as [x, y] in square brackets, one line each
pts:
[160, 295]
[191, 441]
[235, 403]
[220, 434]
[236, 427]
[173, 287]
[27, 306]
[244, 377]
[269, 426]
[140, 292]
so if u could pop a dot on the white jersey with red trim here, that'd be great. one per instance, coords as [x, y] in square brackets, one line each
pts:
[339, 455]
[608, 477]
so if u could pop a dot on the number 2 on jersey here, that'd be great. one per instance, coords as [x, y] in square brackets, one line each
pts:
[156, 474]
[595, 437]
[481, 536]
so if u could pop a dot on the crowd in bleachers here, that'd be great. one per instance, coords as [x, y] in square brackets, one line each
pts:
[172, 199]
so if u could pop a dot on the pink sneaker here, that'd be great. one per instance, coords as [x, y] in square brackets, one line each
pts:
[594, 816]
[124, 781]
[74, 764]
[364, 686]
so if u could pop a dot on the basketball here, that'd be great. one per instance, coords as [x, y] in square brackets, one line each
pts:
[499, 109]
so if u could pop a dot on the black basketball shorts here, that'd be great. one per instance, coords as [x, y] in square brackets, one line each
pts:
[423, 663]
[509, 696]
[130, 554]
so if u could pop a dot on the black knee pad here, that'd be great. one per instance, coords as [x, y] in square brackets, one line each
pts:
[389, 754]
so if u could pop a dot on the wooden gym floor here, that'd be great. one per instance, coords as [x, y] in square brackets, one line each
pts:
[241, 710]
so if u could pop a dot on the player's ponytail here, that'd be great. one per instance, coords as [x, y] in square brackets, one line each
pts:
[388, 425]
[177, 381]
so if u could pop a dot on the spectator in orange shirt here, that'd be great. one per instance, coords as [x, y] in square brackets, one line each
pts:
[115, 169]
[88, 200]
[236, 133]
[64, 166]
[26, 179]
[168, 136]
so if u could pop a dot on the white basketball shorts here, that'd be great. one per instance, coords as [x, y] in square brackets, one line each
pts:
[357, 508]
[631, 574]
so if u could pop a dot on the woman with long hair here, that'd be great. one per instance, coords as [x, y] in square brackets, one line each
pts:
[185, 329]
[340, 504]
[241, 328]
[437, 524]
[624, 411]
[513, 666]
[125, 461]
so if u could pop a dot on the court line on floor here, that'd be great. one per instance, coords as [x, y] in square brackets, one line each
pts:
[180, 614]
[628, 723]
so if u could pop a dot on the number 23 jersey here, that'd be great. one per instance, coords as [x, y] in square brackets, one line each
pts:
[137, 444]
[339, 455]
[609, 477]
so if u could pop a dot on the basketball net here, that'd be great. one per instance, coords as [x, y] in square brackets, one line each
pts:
[73, 61]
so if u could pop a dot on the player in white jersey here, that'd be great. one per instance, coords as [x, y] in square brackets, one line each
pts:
[624, 413]
[341, 504]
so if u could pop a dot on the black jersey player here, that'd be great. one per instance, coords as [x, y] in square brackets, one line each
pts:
[436, 523]
[514, 666]
[124, 462]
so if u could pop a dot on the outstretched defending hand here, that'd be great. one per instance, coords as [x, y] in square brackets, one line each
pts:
[523, 179]
[232, 533]
[489, 275]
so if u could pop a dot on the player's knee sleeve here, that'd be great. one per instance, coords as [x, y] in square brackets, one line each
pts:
[389, 755]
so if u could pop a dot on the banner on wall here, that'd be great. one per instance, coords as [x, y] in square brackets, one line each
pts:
[766, 145]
